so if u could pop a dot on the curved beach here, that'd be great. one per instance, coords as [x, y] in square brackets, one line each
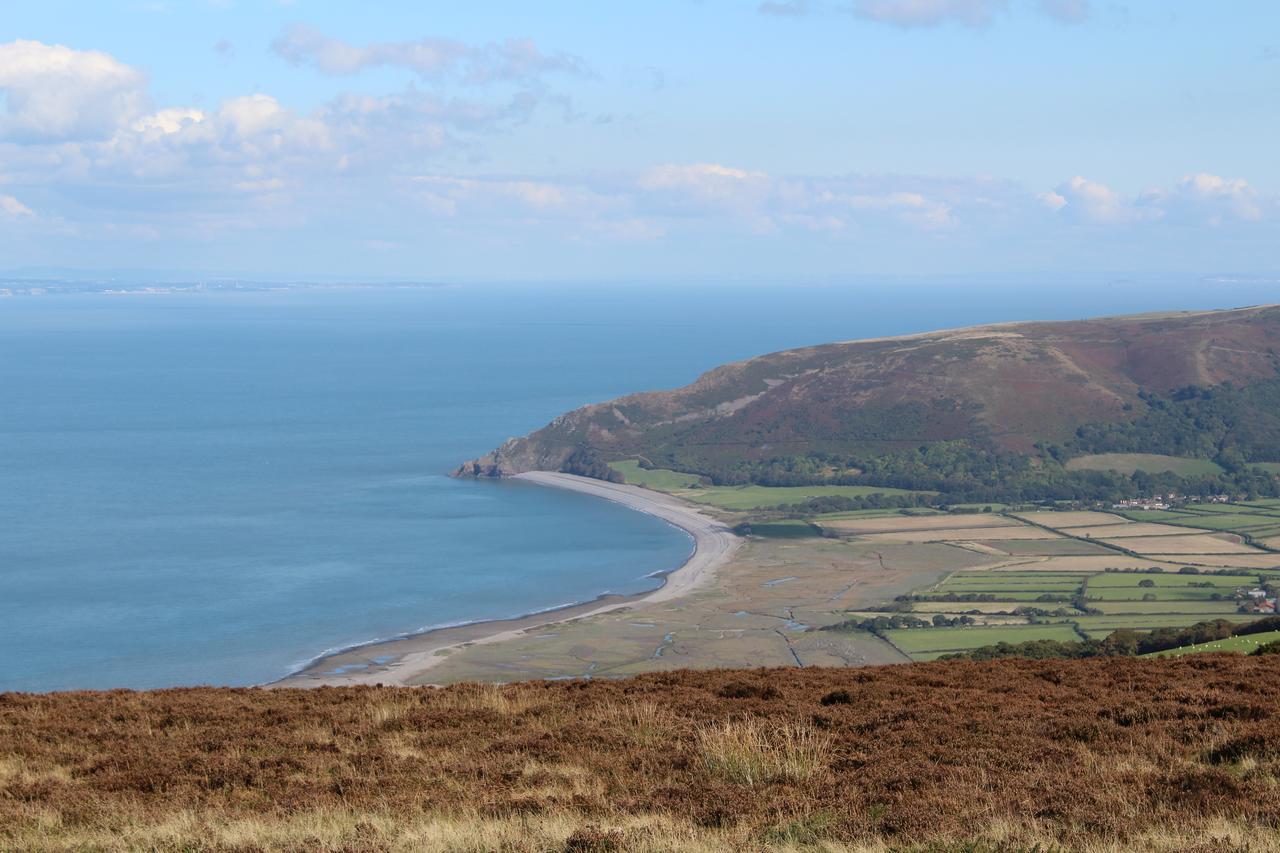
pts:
[407, 659]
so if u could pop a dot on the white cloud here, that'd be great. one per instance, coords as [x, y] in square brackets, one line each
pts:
[167, 121]
[1068, 11]
[1089, 201]
[1200, 199]
[52, 92]
[929, 13]
[1232, 197]
[784, 7]
[709, 184]
[429, 58]
[11, 208]
[670, 198]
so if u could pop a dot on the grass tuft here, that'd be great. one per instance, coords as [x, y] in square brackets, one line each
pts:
[751, 753]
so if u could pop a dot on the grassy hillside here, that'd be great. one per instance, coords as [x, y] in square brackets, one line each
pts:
[980, 405]
[1151, 463]
[1105, 754]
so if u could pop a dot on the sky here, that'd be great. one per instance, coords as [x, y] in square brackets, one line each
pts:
[669, 139]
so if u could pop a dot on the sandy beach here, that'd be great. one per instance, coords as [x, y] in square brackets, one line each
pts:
[409, 659]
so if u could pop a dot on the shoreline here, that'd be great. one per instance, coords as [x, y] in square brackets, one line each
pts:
[397, 661]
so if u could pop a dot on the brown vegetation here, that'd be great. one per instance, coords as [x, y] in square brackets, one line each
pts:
[1099, 754]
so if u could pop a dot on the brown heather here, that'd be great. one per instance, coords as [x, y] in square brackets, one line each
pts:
[1116, 754]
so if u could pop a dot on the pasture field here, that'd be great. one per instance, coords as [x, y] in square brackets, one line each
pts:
[985, 581]
[1202, 508]
[965, 534]
[1088, 564]
[1223, 583]
[760, 497]
[788, 529]
[1270, 467]
[1199, 610]
[690, 487]
[970, 606]
[900, 523]
[1230, 521]
[1061, 547]
[1260, 560]
[1170, 594]
[1150, 463]
[859, 514]
[928, 643]
[1107, 624]
[658, 479]
[1155, 515]
[1059, 569]
[1238, 645]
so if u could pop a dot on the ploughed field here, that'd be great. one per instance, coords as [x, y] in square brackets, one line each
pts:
[1112, 753]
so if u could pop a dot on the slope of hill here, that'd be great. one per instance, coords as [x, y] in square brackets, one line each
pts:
[1105, 754]
[1007, 390]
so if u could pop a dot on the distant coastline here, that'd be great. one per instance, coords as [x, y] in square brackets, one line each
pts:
[408, 659]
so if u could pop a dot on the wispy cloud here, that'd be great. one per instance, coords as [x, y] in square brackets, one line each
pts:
[518, 60]
[929, 13]
[911, 14]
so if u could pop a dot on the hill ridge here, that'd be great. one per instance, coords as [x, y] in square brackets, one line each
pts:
[1010, 387]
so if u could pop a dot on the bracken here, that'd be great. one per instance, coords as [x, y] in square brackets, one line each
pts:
[1107, 754]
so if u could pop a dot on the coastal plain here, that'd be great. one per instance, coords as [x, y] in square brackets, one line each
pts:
[778, 593]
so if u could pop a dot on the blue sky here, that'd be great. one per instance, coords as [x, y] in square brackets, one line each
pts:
[676, 139]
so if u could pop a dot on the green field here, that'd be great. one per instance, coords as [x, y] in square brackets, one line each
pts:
[1270, 467]
[928, 643]
[1224, 583]
[1030, 597]
[1177, 603]
[1239, 645]
[1197, 611]
[1229, 521]
[1126, 586]
[1201, 508]
[1146, 623]
[1054, 582]
[659, 479]
[785, 530]
[1158, 515]
[873, 513]
[689, 486]
[759, 497]
[1151, 463]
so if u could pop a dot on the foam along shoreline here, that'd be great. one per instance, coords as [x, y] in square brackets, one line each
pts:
[408, 659]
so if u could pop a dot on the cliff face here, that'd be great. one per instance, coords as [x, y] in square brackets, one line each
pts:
[1007, 386]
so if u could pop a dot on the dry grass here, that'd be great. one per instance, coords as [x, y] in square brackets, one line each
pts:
[751, 752]
[1102, 755]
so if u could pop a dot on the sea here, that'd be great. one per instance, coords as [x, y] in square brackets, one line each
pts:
[218, 487]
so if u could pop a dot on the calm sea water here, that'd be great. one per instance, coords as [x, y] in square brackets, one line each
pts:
[216, 488]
